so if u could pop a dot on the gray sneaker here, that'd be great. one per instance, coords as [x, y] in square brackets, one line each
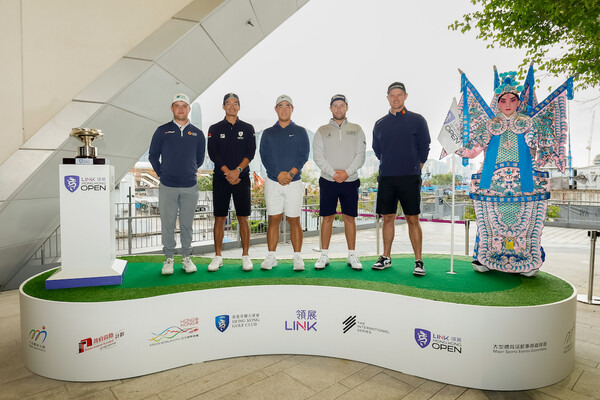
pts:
[188, 265]
[167, 268]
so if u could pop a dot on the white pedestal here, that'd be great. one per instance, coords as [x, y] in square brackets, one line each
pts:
[87, 225]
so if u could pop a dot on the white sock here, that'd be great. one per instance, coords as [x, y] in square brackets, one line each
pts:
[351, 253]
[218, 258]
[297, 253]
[271, 253]
[325, 252]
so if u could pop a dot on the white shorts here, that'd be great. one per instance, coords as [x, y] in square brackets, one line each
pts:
[282, 199]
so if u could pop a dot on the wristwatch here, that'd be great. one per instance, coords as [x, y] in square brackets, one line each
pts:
[291, 174]
[239, 169]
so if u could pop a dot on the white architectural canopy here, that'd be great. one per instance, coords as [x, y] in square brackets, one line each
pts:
[112, 65]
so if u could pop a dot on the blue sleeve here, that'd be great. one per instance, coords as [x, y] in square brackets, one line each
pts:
[251, 145]
[423, 140]
[213, 152]
[201, 148]
[376, 144]
[303, 150]
[265, 152]
[155, 150]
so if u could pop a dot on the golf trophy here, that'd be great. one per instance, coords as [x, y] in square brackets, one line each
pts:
[87, 219]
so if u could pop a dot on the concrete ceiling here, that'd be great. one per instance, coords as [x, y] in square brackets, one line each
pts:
[128, 101]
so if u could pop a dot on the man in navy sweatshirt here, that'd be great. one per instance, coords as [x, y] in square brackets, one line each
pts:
[231, 146]
[284, 150]
[176, 153]
[401, 143]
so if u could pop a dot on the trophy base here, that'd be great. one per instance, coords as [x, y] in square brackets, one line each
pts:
[84, 161]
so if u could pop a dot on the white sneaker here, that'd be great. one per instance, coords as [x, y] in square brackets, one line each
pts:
[479, 267]
[167, 268]
[298, 263]
[322, 262]
[247, 263]
[354, 262]
[269, 262]
[188, 265]
[215, 264]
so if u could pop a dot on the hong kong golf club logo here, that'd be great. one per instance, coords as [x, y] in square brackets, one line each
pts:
[422, 337]
[222, 322]
[71, 183]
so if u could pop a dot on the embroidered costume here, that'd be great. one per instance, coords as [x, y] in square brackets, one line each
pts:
[509, 193]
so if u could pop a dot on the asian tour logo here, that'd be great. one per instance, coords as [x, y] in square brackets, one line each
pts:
[71, 182]
[422, 337]
[222, 322]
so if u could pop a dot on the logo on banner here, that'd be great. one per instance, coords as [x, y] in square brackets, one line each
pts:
[222, 322]
[569, 340]
[349, 323]
[71, 182]
[306, 320]
[103, 342]
[422, 337]
[37, 338]
[361, 326]
[438, 341]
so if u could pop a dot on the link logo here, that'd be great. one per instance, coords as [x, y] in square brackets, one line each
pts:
[422, 337]
[71, 182]
[222, 322]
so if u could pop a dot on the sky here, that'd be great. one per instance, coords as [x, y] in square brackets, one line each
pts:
[358, 48]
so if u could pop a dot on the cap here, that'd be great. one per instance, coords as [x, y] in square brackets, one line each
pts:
[284, 97]
[181, 97]
[229, 96]
[396, 85]
[338, 97]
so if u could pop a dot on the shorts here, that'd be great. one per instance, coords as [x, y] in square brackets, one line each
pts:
[222, 192]
[282, 199]
[406, 189]
[346, 192]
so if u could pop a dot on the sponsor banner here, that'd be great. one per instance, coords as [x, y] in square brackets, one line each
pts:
[491, 348]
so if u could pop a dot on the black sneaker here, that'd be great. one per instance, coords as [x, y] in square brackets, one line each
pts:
[382, 263]
[419, 268]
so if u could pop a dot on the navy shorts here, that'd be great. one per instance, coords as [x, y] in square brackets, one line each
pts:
[346, 192]
[222, 192]
[406, 189]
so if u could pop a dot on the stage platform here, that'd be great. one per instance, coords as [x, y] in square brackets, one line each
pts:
[489, 331]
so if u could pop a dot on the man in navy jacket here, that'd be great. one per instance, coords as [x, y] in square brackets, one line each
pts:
[176, 153]
[401, 143]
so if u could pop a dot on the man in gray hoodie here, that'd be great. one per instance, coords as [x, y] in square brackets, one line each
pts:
[339, 151]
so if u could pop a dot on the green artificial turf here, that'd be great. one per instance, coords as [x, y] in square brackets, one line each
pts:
[143, 279]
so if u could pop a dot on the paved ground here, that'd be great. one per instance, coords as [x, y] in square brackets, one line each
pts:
[307, 377]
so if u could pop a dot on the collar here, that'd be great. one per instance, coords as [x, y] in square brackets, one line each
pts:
[181, 127]
[236, 121]
[334, 123]
[290, 124]
[401, 112]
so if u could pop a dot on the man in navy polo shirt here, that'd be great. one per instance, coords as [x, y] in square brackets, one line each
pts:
[176, 153]
[401, 143]
[231, 146]
[284, 150]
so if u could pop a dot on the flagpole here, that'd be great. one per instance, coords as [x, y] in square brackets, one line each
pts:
[452, 217]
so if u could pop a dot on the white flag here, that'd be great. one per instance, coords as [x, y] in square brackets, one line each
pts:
[450, 136]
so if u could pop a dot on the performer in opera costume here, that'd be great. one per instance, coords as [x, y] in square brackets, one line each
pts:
[510, 195]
